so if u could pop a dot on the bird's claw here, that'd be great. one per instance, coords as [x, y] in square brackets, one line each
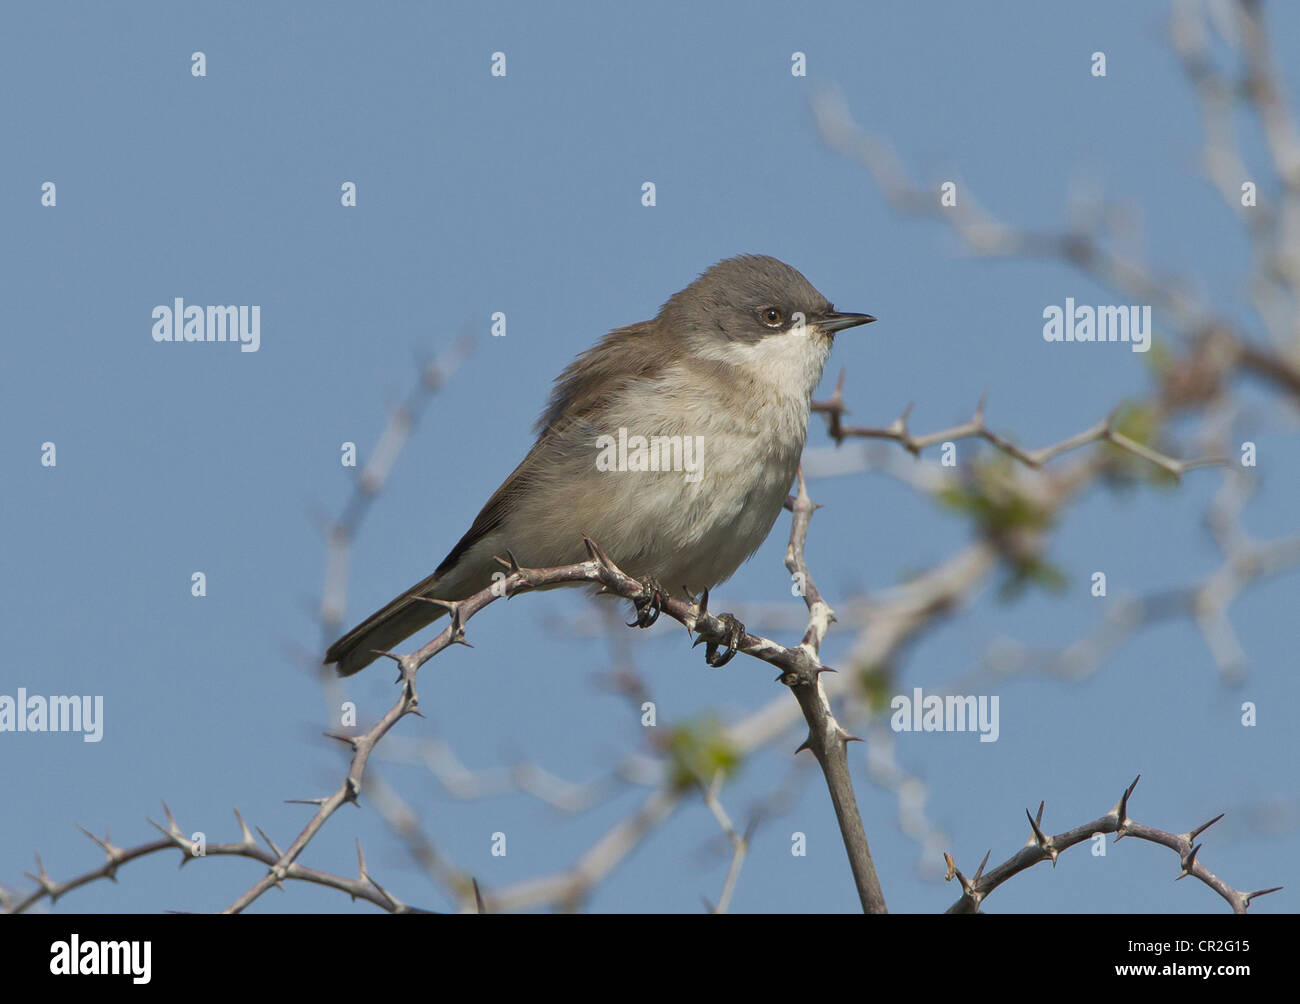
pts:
[732, 632]
[649, 605]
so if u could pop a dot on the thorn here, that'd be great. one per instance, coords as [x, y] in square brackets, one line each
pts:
[43, 878]
[113, 854]
[91, 835]
[596, 553]
[1203, 827]
[1189, 863]
[509, 561]
[1047, 845]
[457, 625]
[479, 905]
[448, 605]
[1040, 838]
[980, 870]
[244, 833]
[269, 843]
[1262, 892]
[805, 745]
[384, 892]
[1121, 810]
[348, 740]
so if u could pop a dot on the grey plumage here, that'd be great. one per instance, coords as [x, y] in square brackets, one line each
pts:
[733, 359]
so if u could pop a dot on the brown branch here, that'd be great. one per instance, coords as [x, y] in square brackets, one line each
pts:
[362, 887]
[834, 410]
[362, 746]
[827, 739]
[1041, 847]
[800, 671]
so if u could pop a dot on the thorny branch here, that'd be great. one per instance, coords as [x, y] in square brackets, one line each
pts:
[800, 667]
[362, 887]
[1041, 847]
[1104, 431]
[1216, 348]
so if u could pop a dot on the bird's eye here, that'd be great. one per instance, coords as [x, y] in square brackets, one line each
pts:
[771, 316]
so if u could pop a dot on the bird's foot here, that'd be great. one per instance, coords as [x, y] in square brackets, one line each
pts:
[732, 632]
[649, 605]
[730, 636]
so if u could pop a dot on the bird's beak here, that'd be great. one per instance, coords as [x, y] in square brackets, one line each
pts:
[833, 321]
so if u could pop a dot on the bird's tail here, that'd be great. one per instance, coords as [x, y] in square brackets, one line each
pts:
[385, 628]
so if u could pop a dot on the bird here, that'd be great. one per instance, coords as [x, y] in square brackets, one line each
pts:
[671, 443]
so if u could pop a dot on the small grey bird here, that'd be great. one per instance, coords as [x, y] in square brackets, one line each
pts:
[672, 444]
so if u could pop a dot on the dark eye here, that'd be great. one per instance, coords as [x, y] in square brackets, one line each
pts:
[772, 316]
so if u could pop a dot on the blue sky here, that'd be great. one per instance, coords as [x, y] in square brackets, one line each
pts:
[522, 194]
